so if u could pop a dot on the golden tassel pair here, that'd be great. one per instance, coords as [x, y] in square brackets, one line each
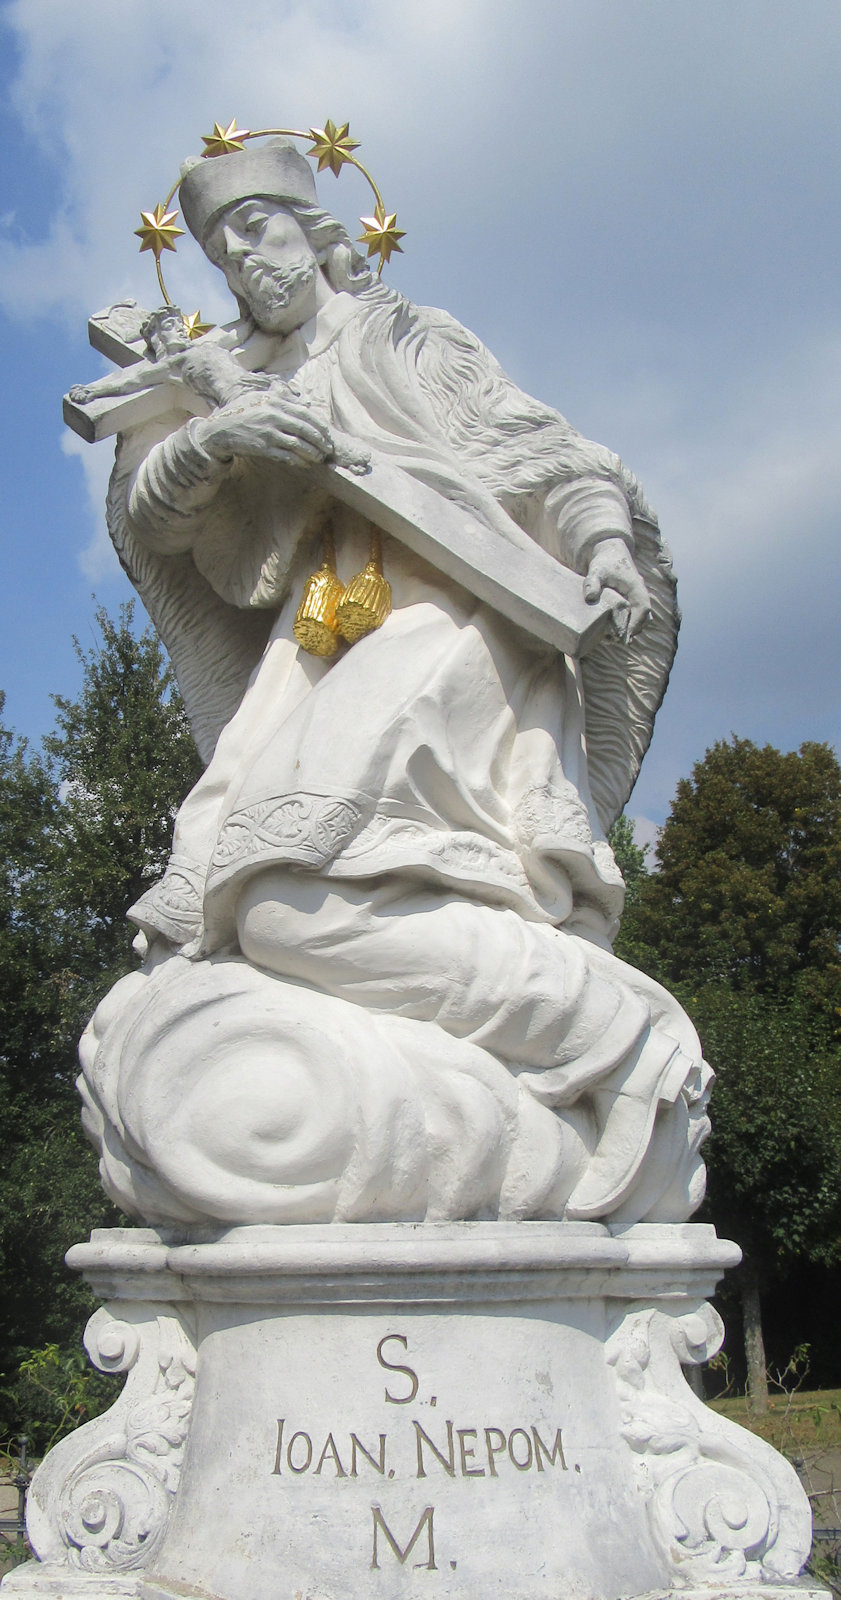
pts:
[329, 611]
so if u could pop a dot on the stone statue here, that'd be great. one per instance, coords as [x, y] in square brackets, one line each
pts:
[410, 1150]
[406, 841]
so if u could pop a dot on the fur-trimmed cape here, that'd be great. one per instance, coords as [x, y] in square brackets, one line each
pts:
[411, 382]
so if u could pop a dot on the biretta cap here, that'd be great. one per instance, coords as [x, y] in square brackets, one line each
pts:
[271, 171]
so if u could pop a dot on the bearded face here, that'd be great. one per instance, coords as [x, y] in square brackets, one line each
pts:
[268, 263]
[270, 289]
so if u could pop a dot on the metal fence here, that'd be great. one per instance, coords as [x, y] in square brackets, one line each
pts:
[14, 1528]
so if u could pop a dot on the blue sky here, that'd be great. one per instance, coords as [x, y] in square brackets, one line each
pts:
[635, 203]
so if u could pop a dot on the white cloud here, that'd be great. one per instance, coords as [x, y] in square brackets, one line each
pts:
[158, 76]
[476, 116]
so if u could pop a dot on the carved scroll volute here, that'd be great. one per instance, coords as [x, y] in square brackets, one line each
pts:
[102, 1498]
[723, 1506]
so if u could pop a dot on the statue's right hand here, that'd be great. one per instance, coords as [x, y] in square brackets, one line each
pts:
[269, 424]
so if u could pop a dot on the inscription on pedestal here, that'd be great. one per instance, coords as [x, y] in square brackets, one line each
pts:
[426, 1519]
[413, 1450]
[296, 1452]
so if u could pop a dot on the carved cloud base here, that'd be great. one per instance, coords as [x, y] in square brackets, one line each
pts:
[454, 1411]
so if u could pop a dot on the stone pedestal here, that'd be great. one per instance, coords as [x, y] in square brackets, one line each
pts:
[453, 1411]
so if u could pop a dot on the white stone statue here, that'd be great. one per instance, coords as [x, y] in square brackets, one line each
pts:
[413, 1292]
[397, 855]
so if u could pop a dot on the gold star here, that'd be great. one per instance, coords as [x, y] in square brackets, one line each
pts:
[332, 146]
[158, 232]
[381, 235]
[194, 325]
[222, 140]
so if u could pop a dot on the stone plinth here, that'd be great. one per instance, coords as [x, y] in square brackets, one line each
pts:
[456, 1411]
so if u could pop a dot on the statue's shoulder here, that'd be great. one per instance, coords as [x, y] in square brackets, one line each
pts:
[425, 328]
[444, 332]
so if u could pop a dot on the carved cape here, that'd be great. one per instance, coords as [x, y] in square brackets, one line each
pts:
[414, 384]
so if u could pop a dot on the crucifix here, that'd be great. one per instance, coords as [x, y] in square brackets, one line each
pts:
[512, 573]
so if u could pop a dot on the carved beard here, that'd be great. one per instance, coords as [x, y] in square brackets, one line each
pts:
[269, 288]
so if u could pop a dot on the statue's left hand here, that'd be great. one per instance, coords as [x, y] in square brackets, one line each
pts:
[270, 423]
[612, 567]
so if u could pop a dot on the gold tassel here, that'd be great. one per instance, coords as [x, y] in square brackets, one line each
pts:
[367, 598]
[315, 620]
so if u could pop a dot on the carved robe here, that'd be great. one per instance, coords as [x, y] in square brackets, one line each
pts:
[336, 767]
[436, 798]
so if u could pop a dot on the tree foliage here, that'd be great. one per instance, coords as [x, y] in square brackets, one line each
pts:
[742, 920]
[630, 856]
[125, 758]
[29, 992]
[774, 1154]
[84, 827]
[748, 888]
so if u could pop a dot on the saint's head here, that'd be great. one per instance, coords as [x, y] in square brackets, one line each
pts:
[256, 216]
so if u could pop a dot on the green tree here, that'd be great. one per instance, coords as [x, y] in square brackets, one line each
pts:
[125, 758]
[48, 1185]
[632, 863]
[774, 1155]
[630, 856]
[747, 891]
[84, 828]
[742, 919]
[29, 996]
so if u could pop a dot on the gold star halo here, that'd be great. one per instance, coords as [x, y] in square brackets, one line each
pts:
[382, 234]
[158, 231]
[333, 146]
[194, 325]
[222, 140]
